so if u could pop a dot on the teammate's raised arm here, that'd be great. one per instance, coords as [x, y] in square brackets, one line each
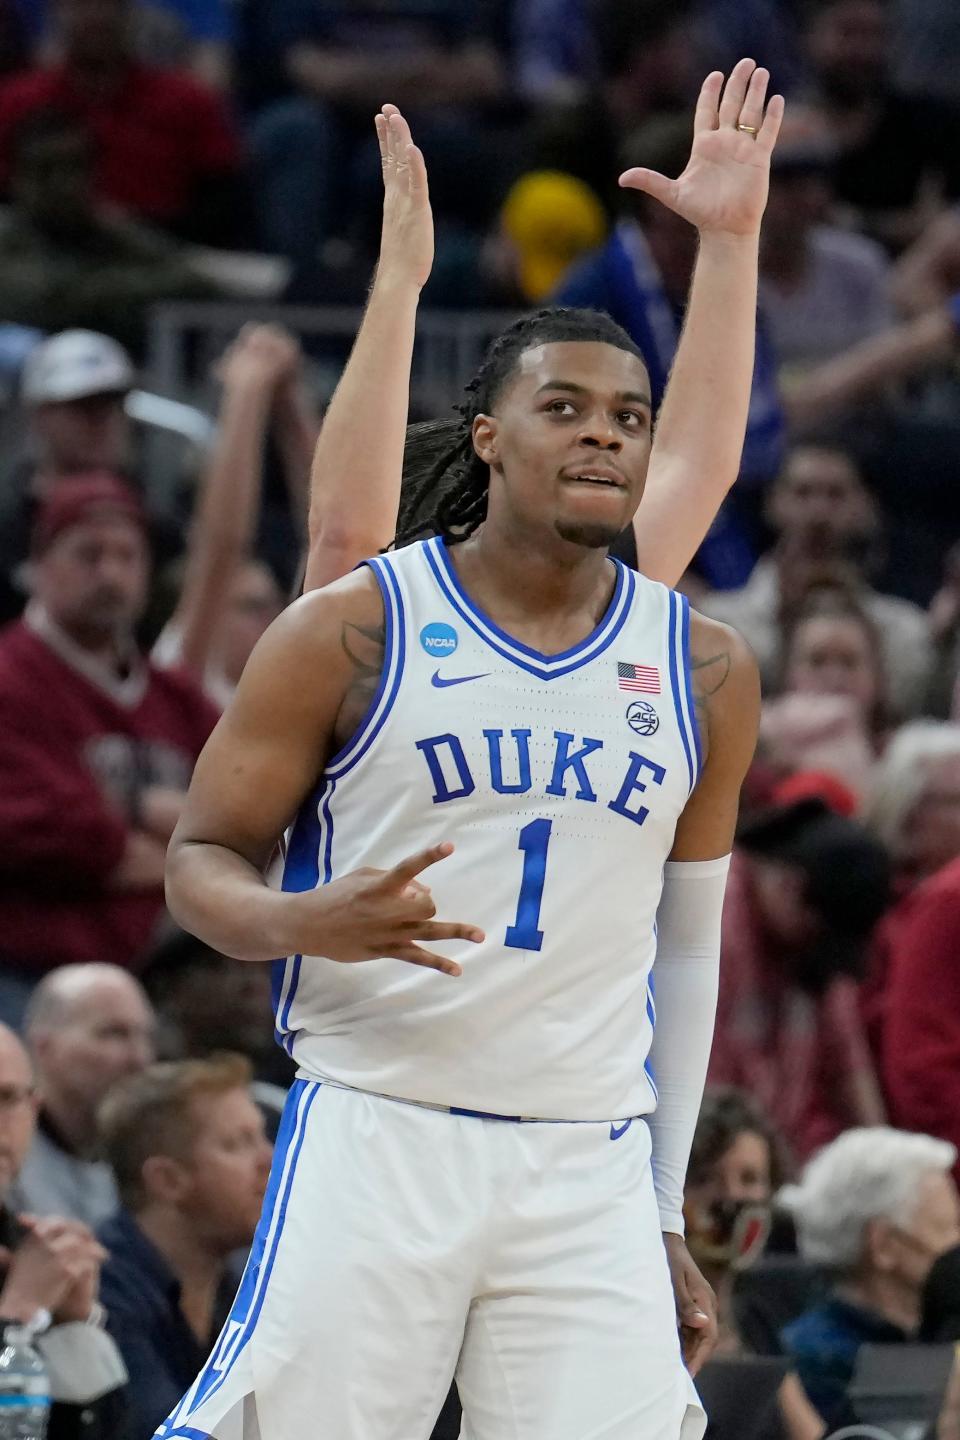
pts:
[355, 482]
[700, 429]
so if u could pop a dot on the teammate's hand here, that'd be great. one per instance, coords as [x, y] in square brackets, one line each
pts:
[696, 1305]
[724, 187]
[406, 240]
[370, 914]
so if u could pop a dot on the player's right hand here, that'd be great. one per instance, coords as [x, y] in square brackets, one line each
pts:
[372, 914]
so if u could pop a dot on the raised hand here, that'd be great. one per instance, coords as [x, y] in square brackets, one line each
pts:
[406, 240]
[264, 356]
[370, 914]
[724, 187]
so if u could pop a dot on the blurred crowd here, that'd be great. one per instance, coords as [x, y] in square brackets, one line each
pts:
[148, 149]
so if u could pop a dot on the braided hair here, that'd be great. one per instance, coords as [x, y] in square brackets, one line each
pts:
[445, 483]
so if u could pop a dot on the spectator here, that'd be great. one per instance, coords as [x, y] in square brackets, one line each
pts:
[165, 148]
[898, 154]
[823, 288]
[828, 528]
[228, 597]
[197, 34]
[53, 1266]
[831, 717]
[87, 1026]
[96, 745]
[207, 1003]
[805, 891]
[73, 391]
[877, 1207]
[187, 1146]
[556, 50]
[915, 802]
[65, 260]
[548, 221]
[917, 1010]
[832, 647]
[735, 1167]
[333, 64]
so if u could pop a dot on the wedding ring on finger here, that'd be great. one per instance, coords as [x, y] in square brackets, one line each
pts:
[749, 130]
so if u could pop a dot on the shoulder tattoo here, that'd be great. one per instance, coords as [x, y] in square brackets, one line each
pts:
[364, 645]
[709, 674]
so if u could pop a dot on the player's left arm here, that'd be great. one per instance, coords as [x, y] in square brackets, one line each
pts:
[701, 425]
[726, 688]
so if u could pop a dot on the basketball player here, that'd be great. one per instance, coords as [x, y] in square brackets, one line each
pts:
[481, 1164]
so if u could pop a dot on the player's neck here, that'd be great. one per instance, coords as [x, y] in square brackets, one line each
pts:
[529, 576]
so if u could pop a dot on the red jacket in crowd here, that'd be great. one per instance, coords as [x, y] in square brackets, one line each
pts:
[160, 135]
[918, 1019]
[75, 750]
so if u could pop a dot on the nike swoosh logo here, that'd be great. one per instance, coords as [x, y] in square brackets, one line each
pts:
[439, 683]
[617, 1130]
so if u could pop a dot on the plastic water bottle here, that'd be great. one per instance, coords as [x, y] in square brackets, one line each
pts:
[24, 1388]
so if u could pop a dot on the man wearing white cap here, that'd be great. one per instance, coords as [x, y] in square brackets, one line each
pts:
[72, 393]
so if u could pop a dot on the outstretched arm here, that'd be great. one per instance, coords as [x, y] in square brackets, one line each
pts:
[355, 487]
[225, 517]
[702, 421]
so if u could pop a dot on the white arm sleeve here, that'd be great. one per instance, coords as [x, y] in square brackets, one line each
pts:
[685, 980]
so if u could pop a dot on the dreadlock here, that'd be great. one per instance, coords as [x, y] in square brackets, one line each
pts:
[441, 469]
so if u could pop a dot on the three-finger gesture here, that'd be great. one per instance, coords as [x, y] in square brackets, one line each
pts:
[406, 242]
[373, 914]
[724, 187]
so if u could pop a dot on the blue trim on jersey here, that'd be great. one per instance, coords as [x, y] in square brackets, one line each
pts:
[688, 687]
[246, 1308]
[390, 676]
[544, 667]
[312, 832]
[484, 1115]
[675, 681]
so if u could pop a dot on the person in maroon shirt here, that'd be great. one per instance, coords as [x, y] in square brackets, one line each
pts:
[97, 746]
[166, 149]
[806, 888]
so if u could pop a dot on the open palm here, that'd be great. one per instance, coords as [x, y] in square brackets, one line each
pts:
[406, 241]
[724, 186]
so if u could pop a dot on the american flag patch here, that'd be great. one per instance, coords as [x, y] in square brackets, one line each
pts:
[645, 678]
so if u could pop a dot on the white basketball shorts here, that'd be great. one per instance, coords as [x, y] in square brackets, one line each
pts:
[401, 1245]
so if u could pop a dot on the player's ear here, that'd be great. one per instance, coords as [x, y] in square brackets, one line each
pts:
[485, 438]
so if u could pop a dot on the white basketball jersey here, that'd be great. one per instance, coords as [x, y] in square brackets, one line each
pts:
[559, 779]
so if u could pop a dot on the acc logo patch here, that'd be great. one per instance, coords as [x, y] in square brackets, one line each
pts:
[642, 718]
[439, 639]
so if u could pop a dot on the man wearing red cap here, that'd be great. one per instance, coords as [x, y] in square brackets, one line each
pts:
[96, 745]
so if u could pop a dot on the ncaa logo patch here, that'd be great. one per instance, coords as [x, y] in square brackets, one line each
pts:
[439, 639]
[642, 718]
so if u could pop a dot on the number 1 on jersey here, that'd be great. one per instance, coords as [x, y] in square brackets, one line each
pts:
[524, 933]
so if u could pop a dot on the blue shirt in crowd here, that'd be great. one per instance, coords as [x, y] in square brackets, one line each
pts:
[823, 1345]
[210, 20]
[142, 1299]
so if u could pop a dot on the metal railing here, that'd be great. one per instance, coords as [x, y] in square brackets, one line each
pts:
[186, 338]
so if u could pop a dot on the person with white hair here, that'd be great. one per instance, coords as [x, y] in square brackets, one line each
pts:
[876, 1209]
[913, 807]
[912, 995]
